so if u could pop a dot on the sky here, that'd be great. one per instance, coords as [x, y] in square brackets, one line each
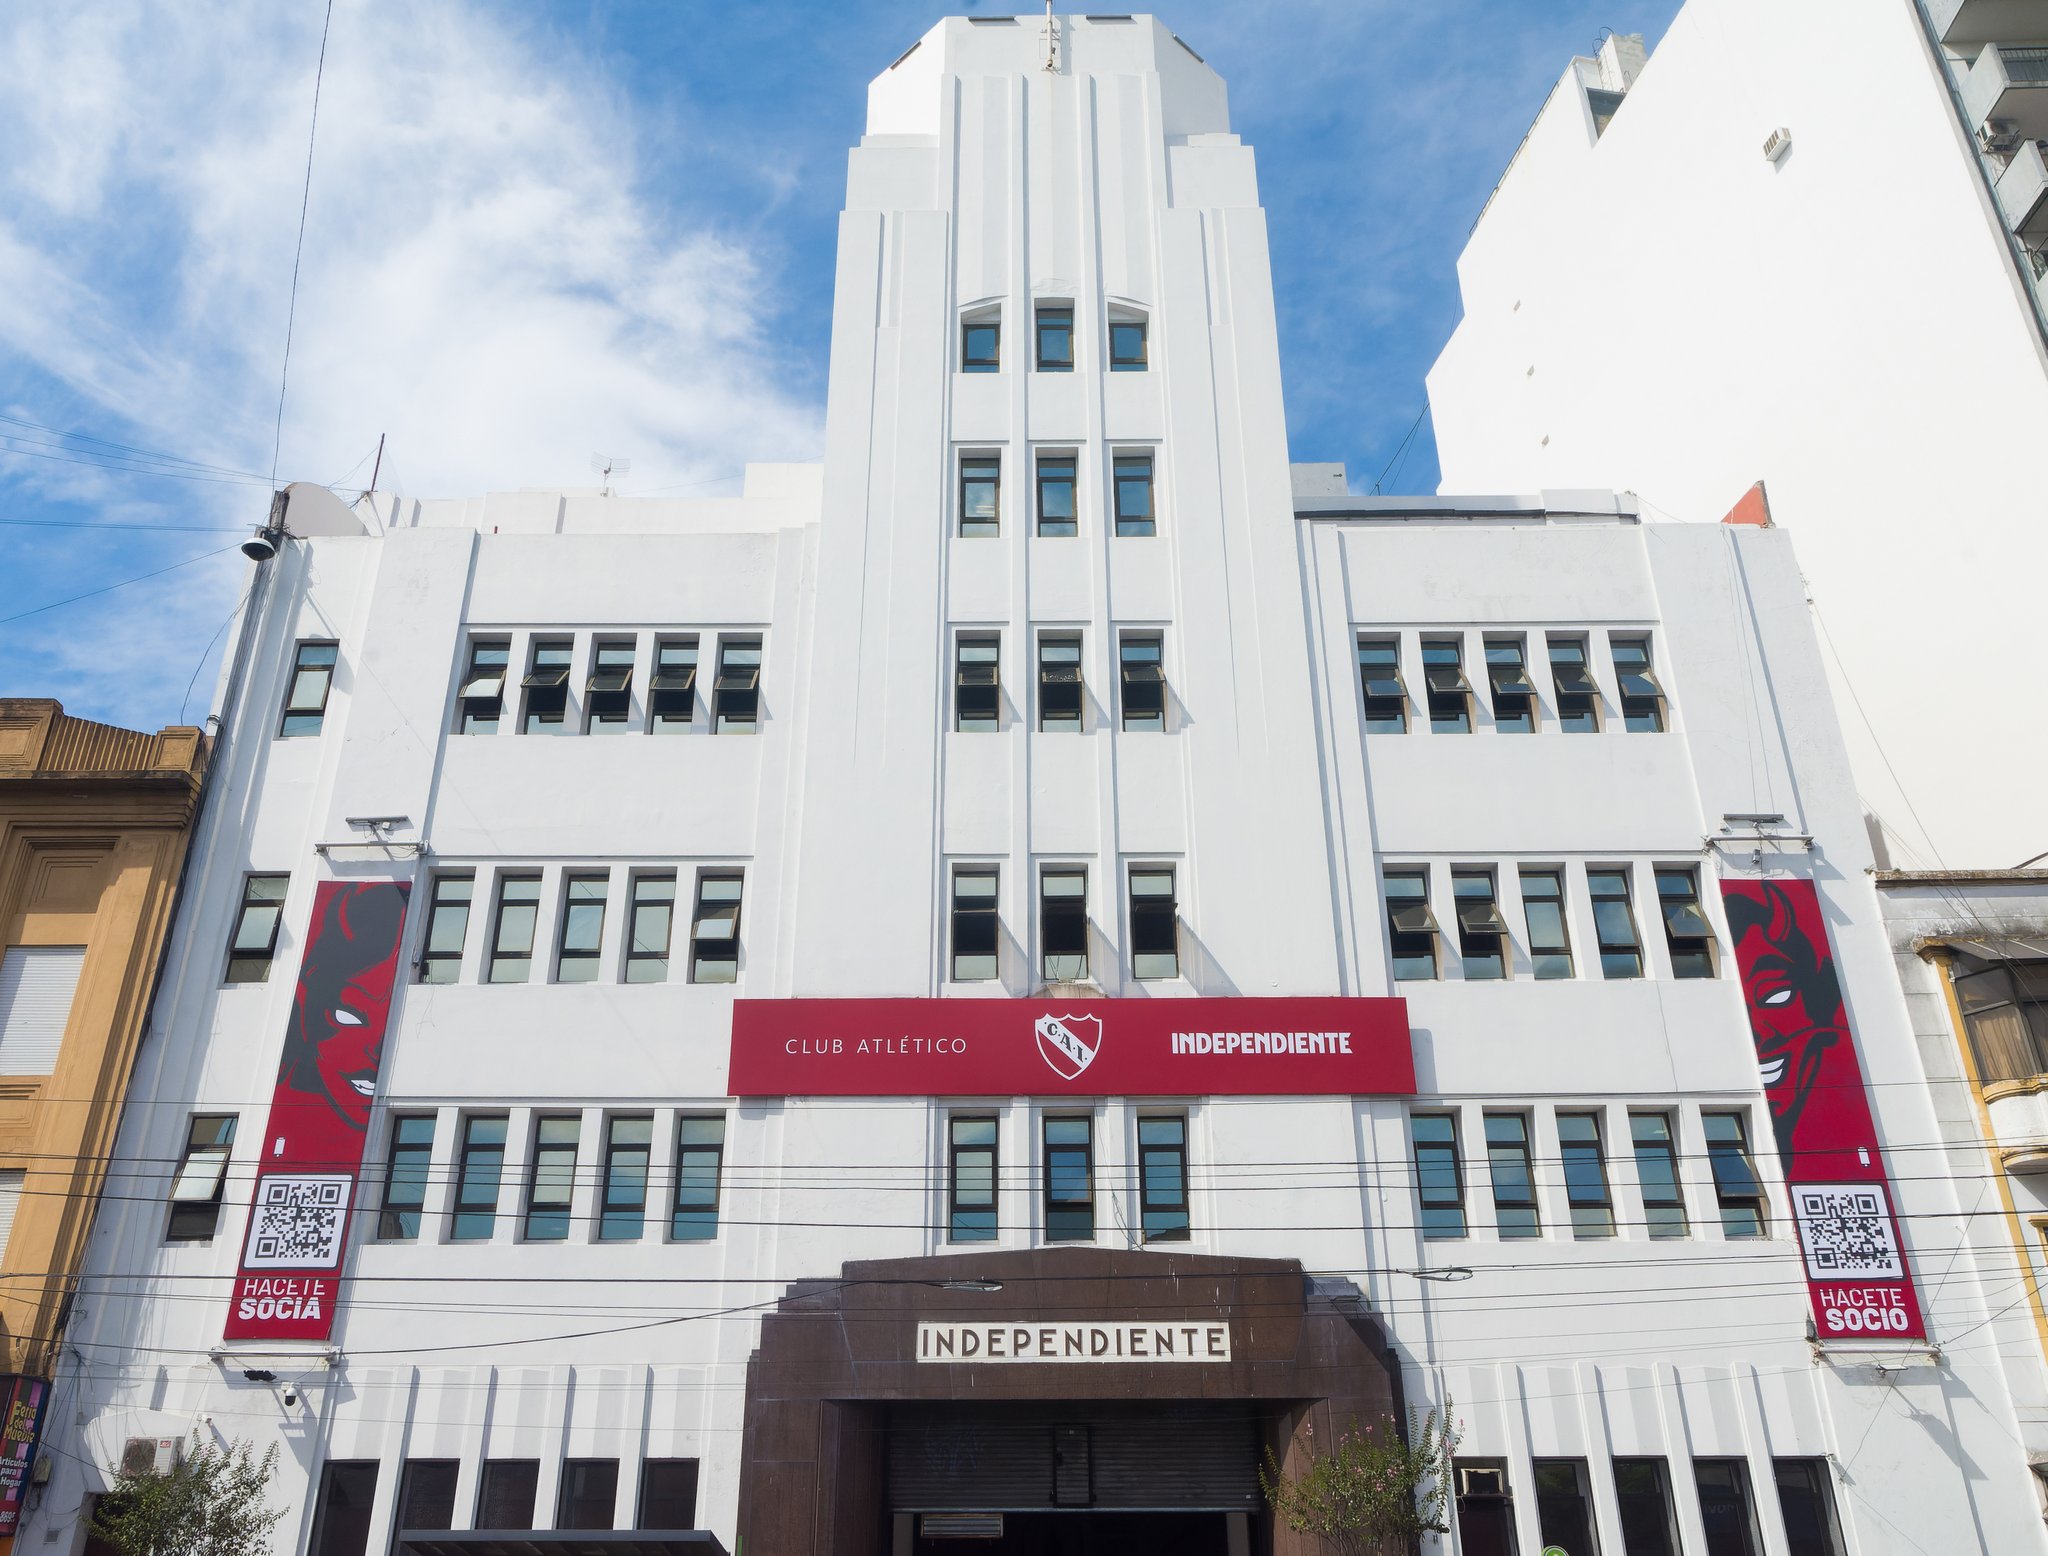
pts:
[537, 232]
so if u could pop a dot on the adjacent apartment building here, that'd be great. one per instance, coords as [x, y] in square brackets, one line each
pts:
[968, 997]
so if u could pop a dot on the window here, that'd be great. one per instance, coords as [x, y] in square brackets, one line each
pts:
[547, 686]
[651, 921]
[1736, 1184]
[590, 1494]
[477, 1179]
[1564, 1511]
[305, 699]
[551, 1181]
[668, 1494]
[1411, 927]
[1439, 1178]
[608, 694]
[1614, 922]
[507, 1490]
[1069, 1180]
[1163, 1177]
[447, 928]
[341, 1525]
[1642, 699]
[1514, 1183]
[1686, 929]
[1514, 694]
[1550, 942]
[583, 898]
[736, 695]
[1386, 694]
[1578, 699]
[1486, 1510]
[1643, 1489]
[672, 690]
[981, 494]
[2005, 1013]
[628, 1147]
[700, 1152]
[980, 344]
[1807, 1500]
[715, 930]
[1127, 346]
[1657, 1172]
[405, 1176]
[1057, 513]
[1155, 923]
[1063, 924]
[512, 929]
[1134, 514]
[1585, 1175]
[978, 683]
[254, 942]
[1482, 932]
[195, 1191]
[480, 700]
[1144, 681]
[970, 1178]
[38, 987]
[1725, 1508]
[974, 923]
[426, 1493]
[1055, 337]
[1059, 684]
[1450, 694]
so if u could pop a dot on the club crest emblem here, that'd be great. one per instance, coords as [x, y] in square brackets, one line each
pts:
[1069, 1043]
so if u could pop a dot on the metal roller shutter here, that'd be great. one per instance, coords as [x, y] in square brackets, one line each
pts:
[37, 983]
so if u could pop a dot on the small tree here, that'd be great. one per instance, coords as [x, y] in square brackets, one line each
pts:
[1370, 1486]
[210, 1505]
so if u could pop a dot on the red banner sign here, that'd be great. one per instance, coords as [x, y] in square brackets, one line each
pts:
[22, 1400]
[1086, 1048]
[319, 1115]
[1856, 1271]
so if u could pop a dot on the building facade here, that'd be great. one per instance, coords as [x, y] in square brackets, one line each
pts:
[980, 989]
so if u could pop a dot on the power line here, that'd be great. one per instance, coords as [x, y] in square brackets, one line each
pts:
[305, 200]
[109, 588]
[155, 455]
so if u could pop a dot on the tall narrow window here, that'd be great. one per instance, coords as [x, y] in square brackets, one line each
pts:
[608, 694]
[974, 923]
[1155, 923]
[1450, 694]
[512, 929]
[1486, 1508]
[1140, 664]
[305, 699]
[583, 899]
[978, 683]
[1725, 1508]
[700, 1153]
[546, 685]
[1055, 337]
[1806, 1497]
[1163, 1177]
[1069, 1180]
[341, 1522]
[1482, 932]
[981, 344]
[1550, 941]
[1063, 924]
[590, 1494]
[480, 700]
[478, 1176]
[1686, 930]
[1643, 1488]
[970, 1178]
[668, 1494]
[1585, 1175]
[1134, 515]
[1411, 927]
[405, 1177]
[1564, 1505]
[507, 1492]
[652, 923]
[1736, 1185]
[736, 696]
[1514, 1183]
[981, 494]
[1386, 694]
[715, 929]
[254, 943]
[426, 1493]
[1578, 698]
[1657, 1172]
[1127, 352]
[1057, 513]
[672, 690]
[1514, 694]
[628, 1147]
[447, 928]
[551, 1182]
[196, 1190]
[1439, 1176]
[1059, 684]
[1614, 921]
[1642, 699]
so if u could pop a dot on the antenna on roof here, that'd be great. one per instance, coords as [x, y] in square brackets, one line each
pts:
[607, 466]
[1052, 40]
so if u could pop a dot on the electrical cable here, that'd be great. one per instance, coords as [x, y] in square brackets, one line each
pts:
[298, 252]
[109, 588]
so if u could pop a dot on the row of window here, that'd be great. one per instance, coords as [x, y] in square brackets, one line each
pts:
[1062, 686]
[1064, 949]
[1448, 698]
[1055, 493]
[1053, 340]
[1067, 1186]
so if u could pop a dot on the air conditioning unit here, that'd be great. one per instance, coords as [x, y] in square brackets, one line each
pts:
[1777, 143]
[2000, 137]
[150, 1455]
[1481, 1481]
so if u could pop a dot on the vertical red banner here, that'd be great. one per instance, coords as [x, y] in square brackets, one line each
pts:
[1856, 1270]
[22, 1399]
[312, 1151]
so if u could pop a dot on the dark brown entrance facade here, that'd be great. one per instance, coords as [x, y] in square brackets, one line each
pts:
[866, 1427]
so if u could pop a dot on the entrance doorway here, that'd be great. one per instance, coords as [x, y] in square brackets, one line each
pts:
[1093, 1534]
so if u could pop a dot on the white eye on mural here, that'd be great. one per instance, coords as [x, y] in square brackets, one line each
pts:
[347, 1018]
[1782, 997]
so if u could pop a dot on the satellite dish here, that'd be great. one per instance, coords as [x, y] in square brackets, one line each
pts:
[607, 466]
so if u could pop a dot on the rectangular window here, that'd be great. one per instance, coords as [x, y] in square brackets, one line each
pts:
[651, 923]
[1386, 694]
[700, 1153]
[478, 1174]
[546, 686]
[1069, 1180]
[672, 690]
[974, 923]
[405, 1177]
[1578, 698]
[1564, 1509]
[1059, 684]
[426, 1493]
[668, 1494]
[1643, 1488]
[305, 699]
[1550, 941]
[480, 700]
[254, 942]
[1686, 930]
[507, 1492]
[1585, 1175]
[1057, 513]
[978, 683]
[590, 1494]
[1736, 1185]
[715, 929]
[551, 1181]
[1614, 923]
[1514, 694]
[1439, 1176]
[583, 900]
[1155, 923]
[2005, 1014]
[1134, 515]
[1163, 1177]
[1482, 932]
[1411, 927]
[1642, 699]
[1055, 338]
[341, 1525]
[1807, 1499]
[1450, 694]
[1725, 1509]
[1514, 1182]
[628, 1148]
[1140, 664]
[981, 345]
[970, 1178]
[1127, 346]
[736, 695]
[981, 494]
[1063, 924]
[512, 929]
[447, 928]
[1486, 1509]
[196, 1190]
[608, 694]
[1657, 1171]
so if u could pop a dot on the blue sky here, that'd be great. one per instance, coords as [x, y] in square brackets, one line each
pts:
[542, 230]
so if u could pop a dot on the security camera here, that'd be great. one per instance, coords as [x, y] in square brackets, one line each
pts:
[291, 1397]
[261, 546]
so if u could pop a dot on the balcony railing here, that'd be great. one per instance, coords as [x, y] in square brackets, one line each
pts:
[2005, 95]
[2023, 192]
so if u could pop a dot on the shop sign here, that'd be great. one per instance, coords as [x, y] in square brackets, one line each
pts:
[1094, 1048]
[22, 1399]
[1126, 1340]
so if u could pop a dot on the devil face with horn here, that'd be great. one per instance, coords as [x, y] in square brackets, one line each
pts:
[1795, 1001]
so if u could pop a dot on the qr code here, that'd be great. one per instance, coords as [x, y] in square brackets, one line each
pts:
[1846, 1230]
[298, 1222]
